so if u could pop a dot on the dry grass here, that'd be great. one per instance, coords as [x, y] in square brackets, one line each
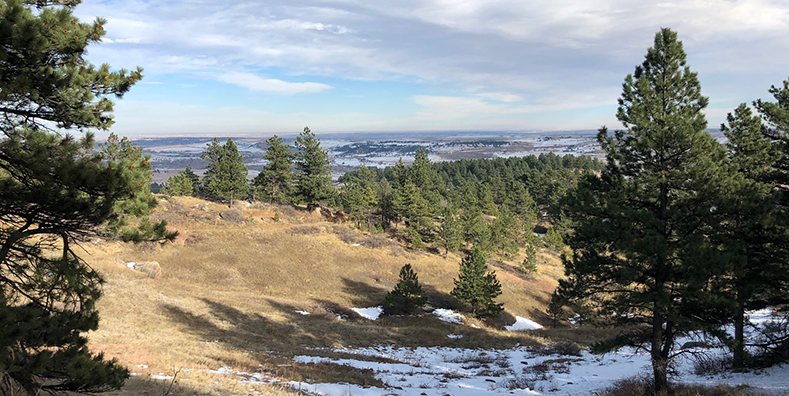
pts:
[642, 387]
[228, 298]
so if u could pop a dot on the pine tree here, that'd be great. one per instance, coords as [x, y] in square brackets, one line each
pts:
[450, 232]
[193, 178]
[179, 184]
[776, 128]
[313, 171]
[226, 174]
[641, 239]
[529, 264]
[477, 287]
[751, 236]
[121, 150]
[406, 297]
[57, 191]
[359, 194]
[276, 177]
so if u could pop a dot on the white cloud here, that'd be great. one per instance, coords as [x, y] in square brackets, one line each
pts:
[496, 57]
[256, 83]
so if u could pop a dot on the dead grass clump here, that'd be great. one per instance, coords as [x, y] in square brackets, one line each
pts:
[345, 234]
[232, 216]
[286, 211]
[306, 230]
[331, 310]
[150, 268]
[642, 386]
[398, 251]
[561, 348]
[376, 242]
[195, 239]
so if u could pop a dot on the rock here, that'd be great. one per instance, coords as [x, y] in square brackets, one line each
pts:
[150, 268]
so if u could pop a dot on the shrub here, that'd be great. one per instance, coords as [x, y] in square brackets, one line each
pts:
[232, 216]
[407, 294]
[345, 234]
[376, 242]
[306, 230]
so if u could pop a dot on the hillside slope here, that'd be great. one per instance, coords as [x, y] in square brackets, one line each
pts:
[229, 291]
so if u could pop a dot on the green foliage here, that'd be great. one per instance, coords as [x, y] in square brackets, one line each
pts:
[776, 128]
[556, 310]
[180, 184]
[226, 174]
[313, 173]
[57, 191]
[450, 233]
[359, 194]
[641, 237]
[553, 238]
[476, 230]
[477, 287]
[529, 264]
[406, 297]
[416, 240]
[753, 237]
[274, 181]
[127, 154]
[193, 178]
[504, 233]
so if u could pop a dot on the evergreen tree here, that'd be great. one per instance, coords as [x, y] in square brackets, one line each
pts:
[57, 191]
[406, 297]
[504, 234]
[477, 287]
[226, 174]
[179, 184]
[776, 128]
[276, 177]
[121, 150]
[313, 171]
[751, 236]
[476, 230]
[193, 178]
[414, 208]
[529, 264]
[359, 194]
[641, 238]
[450, 232]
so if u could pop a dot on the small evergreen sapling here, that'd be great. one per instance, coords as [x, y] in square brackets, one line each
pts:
[529, 264]
[406, 297]
[476, 286]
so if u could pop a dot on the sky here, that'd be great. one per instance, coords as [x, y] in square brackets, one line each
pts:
[276, 66]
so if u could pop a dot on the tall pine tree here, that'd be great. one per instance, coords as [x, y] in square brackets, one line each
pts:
[275, 179]
[313, 171]
[751, 236]
[57, 191]
[226, 174]
[641, 238]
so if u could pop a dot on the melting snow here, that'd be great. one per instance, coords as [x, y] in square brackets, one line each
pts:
[448, 315]
[305, 313]
[523, 324]
[371, 313]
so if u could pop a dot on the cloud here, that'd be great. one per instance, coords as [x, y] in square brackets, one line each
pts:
[509, 54]
[256, 83]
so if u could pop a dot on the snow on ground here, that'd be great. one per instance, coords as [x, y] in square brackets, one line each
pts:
[448, 315]
[523, 324]
[441, 371]
[371, 313]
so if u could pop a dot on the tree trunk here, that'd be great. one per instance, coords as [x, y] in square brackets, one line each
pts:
[659, 363]
[739, 336]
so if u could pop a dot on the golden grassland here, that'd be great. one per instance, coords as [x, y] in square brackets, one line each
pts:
[228, 292]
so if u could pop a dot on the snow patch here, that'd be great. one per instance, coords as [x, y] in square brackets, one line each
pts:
[448, 315]
[371, 313]
[455, 336]
[305, 313]
[522, 324]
